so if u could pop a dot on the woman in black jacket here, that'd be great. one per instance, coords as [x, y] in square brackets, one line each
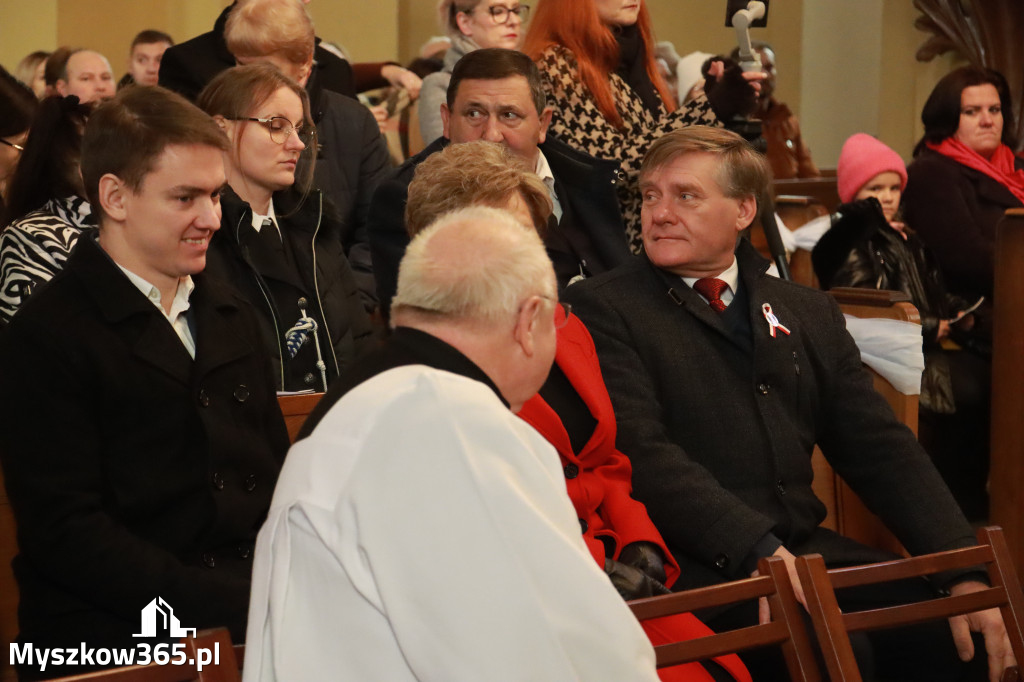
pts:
[869, 247]
[277, 244]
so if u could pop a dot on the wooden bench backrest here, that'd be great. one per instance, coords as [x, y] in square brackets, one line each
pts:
[846, 513]
[824, 190]
[295, 409]
[1006, 478]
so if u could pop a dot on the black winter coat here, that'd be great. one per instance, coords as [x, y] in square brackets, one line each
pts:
[862, 250]
[134, 471]
[315, 269]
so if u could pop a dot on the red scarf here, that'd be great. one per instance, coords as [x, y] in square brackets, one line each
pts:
[1000, 168]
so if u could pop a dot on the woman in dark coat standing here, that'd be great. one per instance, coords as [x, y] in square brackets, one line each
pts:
[278, 245]
[964, 176]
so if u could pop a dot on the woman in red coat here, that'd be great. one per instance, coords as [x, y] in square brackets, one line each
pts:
[573, 410]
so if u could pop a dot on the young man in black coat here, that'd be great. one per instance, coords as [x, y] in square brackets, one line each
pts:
[723, 380]
[142, 437]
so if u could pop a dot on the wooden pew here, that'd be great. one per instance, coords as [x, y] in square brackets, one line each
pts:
[824, 190]
[846, 513]
[295, 409]
[1006, 476]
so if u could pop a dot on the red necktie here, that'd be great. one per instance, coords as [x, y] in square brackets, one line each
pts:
[711, 288]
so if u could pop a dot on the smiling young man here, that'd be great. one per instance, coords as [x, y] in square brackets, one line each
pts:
[142, 436]
[723, 380]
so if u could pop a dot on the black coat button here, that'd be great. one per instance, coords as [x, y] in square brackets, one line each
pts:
[309, 378]
[762, 388]
[583, 526]
[208, 560]
[241, 393]
[244, 551]
[780, 485]
[217, 480]
[721, 561]
[204, 398]
[250, 483]
[571, 470]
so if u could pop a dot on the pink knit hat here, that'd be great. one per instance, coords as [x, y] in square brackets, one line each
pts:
[863, 157]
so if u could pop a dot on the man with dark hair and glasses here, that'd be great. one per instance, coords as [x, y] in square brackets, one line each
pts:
[496, 95]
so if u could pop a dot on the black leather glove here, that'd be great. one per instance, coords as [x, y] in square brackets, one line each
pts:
[632, 583]
[645, 556]
[730, 96]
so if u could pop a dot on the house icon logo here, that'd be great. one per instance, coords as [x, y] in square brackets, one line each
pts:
[158, 619]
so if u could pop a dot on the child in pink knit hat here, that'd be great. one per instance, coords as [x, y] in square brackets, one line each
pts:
[868, 247]
[869, 168]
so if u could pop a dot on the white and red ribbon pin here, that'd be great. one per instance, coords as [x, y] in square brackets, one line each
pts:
[773, 322]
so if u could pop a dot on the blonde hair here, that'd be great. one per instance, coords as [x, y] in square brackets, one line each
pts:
[263, 28]
[743, 172]
[473, 173]
[474, 264]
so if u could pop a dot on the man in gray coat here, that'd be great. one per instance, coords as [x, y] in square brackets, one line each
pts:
[724, 379]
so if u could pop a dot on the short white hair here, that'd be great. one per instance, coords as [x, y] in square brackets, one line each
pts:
[474, 264]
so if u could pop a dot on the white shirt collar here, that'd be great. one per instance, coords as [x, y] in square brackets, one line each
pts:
[179, 306]
[543, 171]
[257, 219]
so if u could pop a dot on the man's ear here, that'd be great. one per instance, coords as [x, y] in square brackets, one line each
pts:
[113, 194]
[525, 331]
[305, 71]
[747, 212]
[445, 118]
[545, 121]
[61, 86]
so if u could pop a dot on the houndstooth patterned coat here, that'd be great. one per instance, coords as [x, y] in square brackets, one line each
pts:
[578, 122]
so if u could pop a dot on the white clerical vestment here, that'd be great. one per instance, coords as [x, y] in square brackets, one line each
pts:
[423, 532]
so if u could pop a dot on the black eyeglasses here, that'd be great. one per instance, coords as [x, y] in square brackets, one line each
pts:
[11, 144]
[501, 14]
[281, 129]
[562, 311]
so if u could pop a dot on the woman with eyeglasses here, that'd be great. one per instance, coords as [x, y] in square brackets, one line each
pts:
[279, 244]
[17, 107]
[572, 410]
[46, 209]
[471, 25]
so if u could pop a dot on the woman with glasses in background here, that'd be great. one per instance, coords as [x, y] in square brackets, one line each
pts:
[46, 211]
[471, 25]
[279, 244]
[17, 107]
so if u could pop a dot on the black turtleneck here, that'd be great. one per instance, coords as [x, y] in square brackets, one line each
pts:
[632, 66]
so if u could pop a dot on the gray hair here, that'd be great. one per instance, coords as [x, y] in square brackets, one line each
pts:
[473, 264]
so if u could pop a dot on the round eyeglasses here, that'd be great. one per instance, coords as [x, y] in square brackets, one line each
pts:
[281, 129]
[501, 14]
[11, 144]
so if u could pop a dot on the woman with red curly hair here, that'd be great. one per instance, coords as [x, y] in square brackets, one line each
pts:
[597, 58]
